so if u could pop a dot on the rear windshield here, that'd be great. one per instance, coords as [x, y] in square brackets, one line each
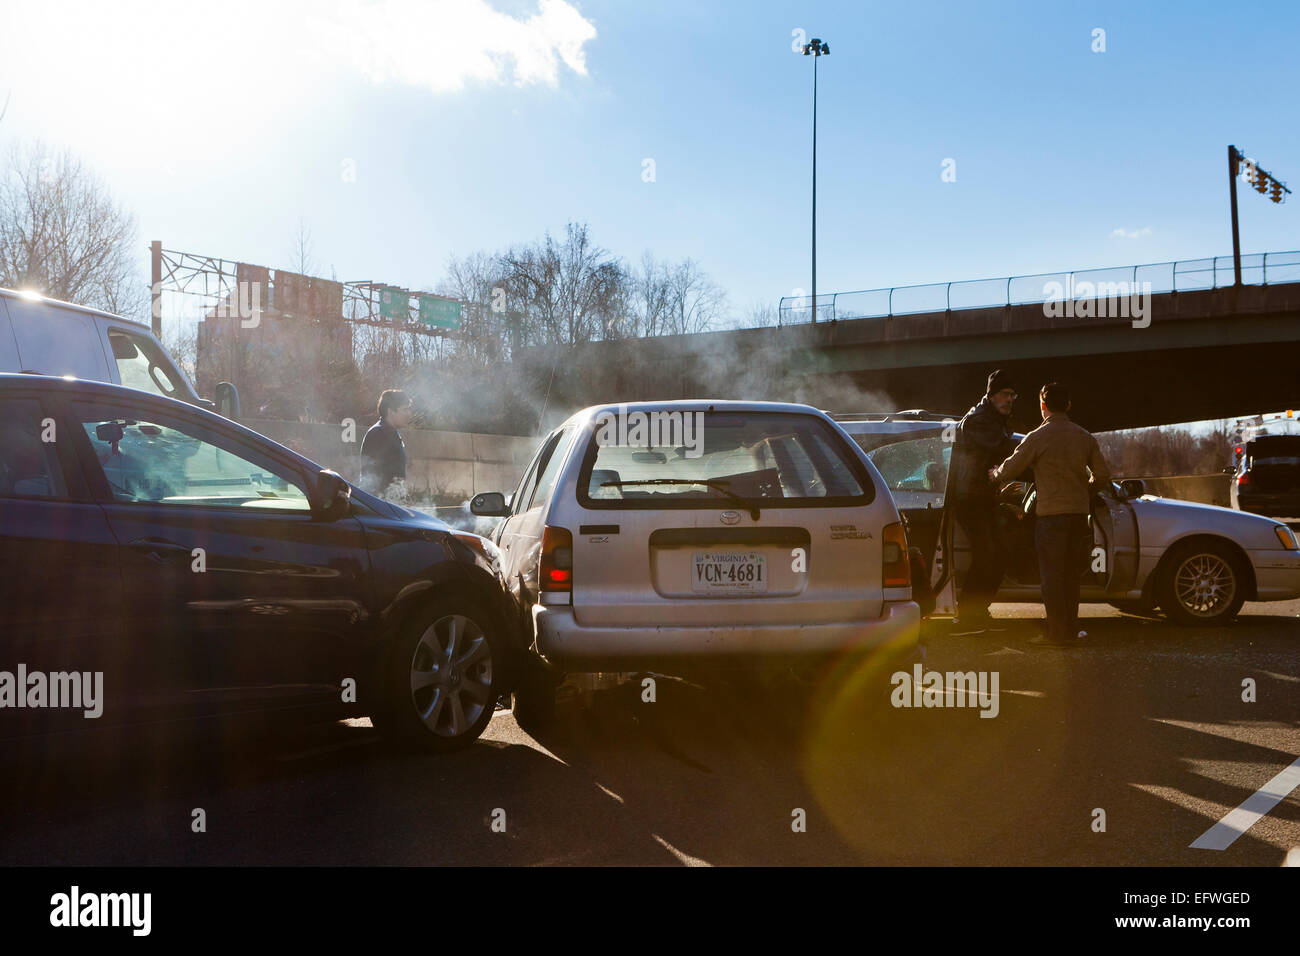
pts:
[709, 459]
[1274, 450]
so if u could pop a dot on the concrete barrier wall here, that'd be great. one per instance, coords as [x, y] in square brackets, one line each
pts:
[1206, 489]
[441, 465]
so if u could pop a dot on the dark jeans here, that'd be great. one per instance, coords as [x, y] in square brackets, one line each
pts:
[978, 519]
[1062, 542]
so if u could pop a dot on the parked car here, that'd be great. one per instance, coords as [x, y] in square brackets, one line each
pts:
[1266, 480]
[207, 571]
[47, 337]
[771, 536]
[1197, 563]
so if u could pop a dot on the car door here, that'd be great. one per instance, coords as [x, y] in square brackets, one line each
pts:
[235, 594]
[62, 593]
[1112, 567]
[140, 362]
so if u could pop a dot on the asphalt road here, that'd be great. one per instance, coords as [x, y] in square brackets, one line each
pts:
[1146, 724]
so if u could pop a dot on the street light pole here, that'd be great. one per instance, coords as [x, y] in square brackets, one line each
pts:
[816, 49]
[1233, 158]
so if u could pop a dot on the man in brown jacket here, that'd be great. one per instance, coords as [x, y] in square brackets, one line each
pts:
[1062, 454]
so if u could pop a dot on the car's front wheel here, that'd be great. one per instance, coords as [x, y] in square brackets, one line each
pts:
[1204, 584]
[445, 673]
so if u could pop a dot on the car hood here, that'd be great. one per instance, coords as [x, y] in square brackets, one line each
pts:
[1153, 509]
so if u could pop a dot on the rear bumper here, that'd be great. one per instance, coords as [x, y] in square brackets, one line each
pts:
[1277, 574]
[565, 641]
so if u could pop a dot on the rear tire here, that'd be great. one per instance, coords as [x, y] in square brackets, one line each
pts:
[533, 698]
[1202, 585]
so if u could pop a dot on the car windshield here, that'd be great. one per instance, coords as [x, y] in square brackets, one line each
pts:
[698, 457]
[915, 470]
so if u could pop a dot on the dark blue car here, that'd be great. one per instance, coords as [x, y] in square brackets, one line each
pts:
[160, 561]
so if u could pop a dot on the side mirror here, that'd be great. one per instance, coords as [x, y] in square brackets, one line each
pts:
[1229, 470]
[490, 504]
[333, 496]
[227, 397]
[1133, 487]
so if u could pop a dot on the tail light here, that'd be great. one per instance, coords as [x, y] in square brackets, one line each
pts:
[896, 571]
[556, 571]
[1243, 479]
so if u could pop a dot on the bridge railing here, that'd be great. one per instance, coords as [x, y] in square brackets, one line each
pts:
[1183, 275]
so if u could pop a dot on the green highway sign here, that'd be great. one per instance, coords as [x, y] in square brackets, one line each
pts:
[439, 313]
[394, 304]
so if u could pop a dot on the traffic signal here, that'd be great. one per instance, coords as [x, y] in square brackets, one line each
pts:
[1261, 181]
[1276, 193]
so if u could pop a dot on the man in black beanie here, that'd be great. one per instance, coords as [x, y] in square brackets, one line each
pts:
[984, 439]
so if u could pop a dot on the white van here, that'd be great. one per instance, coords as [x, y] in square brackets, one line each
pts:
[46, 337]
[665, 533]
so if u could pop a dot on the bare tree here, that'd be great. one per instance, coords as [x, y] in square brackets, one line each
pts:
[568, 292]
[62, 234]
[649, 296]
[300, 253]
[760, 315]
[487, 317]
[696, 302]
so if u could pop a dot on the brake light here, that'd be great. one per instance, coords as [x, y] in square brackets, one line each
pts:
[896, 571]
[556, 570]
[1243, 479]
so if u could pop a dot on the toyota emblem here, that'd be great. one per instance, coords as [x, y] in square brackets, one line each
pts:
[730, 517]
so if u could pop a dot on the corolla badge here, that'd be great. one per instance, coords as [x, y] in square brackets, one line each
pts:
[729, 517]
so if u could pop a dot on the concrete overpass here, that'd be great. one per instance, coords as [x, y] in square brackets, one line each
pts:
[1196, 353]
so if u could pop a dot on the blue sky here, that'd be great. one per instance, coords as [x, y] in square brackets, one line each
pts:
[473, 125]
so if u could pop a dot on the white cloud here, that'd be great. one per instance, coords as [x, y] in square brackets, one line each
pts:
[440, 44]
[1130, 233]
[149, 78]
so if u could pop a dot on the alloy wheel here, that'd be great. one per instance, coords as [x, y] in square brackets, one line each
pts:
[451, 675]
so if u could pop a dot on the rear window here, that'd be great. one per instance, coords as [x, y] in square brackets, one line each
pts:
[1274, 450]
[711, 459]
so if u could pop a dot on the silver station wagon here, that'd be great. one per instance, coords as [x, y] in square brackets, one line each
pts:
[1198, 563]
[656, 533]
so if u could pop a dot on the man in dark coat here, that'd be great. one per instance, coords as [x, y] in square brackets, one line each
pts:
[383, 453]
[983, 440]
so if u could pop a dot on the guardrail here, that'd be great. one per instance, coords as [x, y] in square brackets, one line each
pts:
[1183, 275]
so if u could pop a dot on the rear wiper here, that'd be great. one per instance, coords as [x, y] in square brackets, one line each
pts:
[715, 485]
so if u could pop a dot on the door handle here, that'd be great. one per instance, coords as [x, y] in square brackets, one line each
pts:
[159, 550]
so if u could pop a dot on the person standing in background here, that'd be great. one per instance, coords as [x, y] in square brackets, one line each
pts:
[1062, 455]
[383, 453]
[983, 439]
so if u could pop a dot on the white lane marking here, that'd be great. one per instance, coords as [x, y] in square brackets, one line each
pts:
[611, 793]
[1238, 821]
[682, 857]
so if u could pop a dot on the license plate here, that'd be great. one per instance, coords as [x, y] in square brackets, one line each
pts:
[729, 572]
